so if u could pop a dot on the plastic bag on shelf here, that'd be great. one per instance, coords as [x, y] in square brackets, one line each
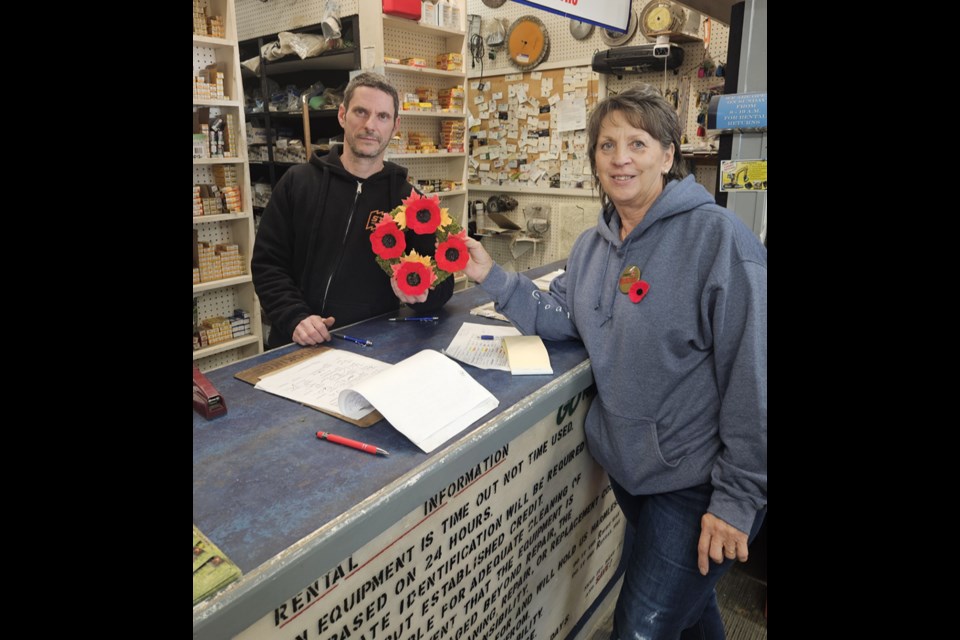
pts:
[305, 45]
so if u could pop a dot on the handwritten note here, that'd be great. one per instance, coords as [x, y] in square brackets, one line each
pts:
[318, 381]
[470, 347]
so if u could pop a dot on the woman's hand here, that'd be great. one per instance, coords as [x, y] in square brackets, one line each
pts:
[480, 261]
[718, 542]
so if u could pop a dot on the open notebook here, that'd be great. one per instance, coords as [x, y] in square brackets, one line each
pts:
[427, 397]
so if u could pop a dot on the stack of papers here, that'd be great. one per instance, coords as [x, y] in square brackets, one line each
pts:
[527, 355]
[501, 348]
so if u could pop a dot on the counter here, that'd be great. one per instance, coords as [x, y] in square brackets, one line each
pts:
[514, 501]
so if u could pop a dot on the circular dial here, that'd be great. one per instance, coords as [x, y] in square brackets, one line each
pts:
[659, 18]
[615, 39]
[527, 42]
[580, 30]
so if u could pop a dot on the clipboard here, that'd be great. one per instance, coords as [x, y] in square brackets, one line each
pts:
[254, 374]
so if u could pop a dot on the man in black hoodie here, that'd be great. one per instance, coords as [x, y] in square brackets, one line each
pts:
[313, 264]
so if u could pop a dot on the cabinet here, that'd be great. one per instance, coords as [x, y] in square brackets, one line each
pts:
[219, 223]
[399, 38]
[285, 131]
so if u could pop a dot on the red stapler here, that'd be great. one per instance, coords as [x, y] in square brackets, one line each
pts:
[207, 401]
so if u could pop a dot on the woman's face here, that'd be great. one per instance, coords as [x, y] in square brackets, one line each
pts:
[630, 163]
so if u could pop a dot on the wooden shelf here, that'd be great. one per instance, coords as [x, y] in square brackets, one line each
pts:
[433, 114]
[582, 193]
[220, 284]
[218, 161]
[220, 217]
[217, 43]
[425, 71]
[224, 346]
[340, 59]
[215, 103]
[408, 156]
[402, 24]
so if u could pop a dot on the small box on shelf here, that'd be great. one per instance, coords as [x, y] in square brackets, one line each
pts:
[410, 9]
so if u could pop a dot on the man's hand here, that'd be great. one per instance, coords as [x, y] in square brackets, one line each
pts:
[719, 541]
[480, 261]
[313, 330]
[404, 297]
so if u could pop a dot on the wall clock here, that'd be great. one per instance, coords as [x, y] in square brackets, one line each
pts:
[527, 42]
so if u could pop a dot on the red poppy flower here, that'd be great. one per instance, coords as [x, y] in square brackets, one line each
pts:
[387, 239]
[638, 290]
[452, 254]
[422, 214]
[414, 274]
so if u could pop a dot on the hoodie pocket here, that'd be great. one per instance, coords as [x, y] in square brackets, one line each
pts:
[629, 449]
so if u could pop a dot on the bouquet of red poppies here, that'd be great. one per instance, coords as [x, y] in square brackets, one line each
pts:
[415, 273]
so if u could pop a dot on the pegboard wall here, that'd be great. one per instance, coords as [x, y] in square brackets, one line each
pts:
[565, 48]
[569, 215]
[257, 18]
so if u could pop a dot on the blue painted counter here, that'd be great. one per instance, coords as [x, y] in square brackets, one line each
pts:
[286, 507]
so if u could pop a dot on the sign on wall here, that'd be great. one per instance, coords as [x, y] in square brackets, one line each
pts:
[609, 14]
[738, 111]
[515, 548]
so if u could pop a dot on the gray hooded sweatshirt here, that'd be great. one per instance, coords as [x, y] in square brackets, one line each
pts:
[681, 375]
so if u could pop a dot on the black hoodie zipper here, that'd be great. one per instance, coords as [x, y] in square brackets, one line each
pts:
[343, 244]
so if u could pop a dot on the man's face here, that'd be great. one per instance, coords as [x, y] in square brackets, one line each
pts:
[368, 123]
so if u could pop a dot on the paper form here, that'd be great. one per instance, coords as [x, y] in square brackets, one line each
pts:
[318, 381]
[469, 347]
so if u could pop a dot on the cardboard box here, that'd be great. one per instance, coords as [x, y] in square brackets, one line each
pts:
[410, 9]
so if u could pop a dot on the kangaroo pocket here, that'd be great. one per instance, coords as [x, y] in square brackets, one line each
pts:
[629, 449]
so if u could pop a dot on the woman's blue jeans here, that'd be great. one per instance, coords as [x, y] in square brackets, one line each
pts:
[664, 597]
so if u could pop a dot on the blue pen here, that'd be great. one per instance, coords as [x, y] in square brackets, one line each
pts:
[485, 337]
[412, 319]
[362, 343]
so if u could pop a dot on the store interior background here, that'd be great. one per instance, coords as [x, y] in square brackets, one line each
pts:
[743, 593]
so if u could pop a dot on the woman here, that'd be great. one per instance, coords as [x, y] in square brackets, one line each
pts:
[668, 295]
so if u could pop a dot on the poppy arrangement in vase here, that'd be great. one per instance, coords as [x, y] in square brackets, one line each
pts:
[423, 215]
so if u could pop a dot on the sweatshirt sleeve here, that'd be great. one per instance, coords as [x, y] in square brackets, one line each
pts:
[272, 263]
[532, 311]
[738, 307]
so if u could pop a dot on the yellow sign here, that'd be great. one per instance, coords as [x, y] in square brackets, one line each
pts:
[743, 175]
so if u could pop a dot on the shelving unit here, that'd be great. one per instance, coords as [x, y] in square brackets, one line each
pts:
[331, 68]
[396, 37]
[221, 297]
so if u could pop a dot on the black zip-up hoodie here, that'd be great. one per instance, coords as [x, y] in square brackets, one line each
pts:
[313, 256]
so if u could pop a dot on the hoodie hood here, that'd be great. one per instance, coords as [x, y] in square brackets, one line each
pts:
[677, 197]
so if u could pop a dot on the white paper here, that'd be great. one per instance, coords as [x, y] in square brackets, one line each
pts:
[573, 115]
[318, 381]
[428, 398]
[470, 347]
[543, 282]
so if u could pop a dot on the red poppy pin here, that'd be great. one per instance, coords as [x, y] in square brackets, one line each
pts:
[638, 290]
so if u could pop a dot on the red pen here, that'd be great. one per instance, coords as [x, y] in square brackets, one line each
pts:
[353, 444]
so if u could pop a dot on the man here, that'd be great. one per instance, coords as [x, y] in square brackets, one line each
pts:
[313, 264]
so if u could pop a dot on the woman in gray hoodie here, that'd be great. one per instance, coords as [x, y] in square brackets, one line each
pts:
[669, 295]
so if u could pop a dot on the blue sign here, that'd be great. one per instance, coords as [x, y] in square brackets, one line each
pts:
[613, 15]
[738, 111]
